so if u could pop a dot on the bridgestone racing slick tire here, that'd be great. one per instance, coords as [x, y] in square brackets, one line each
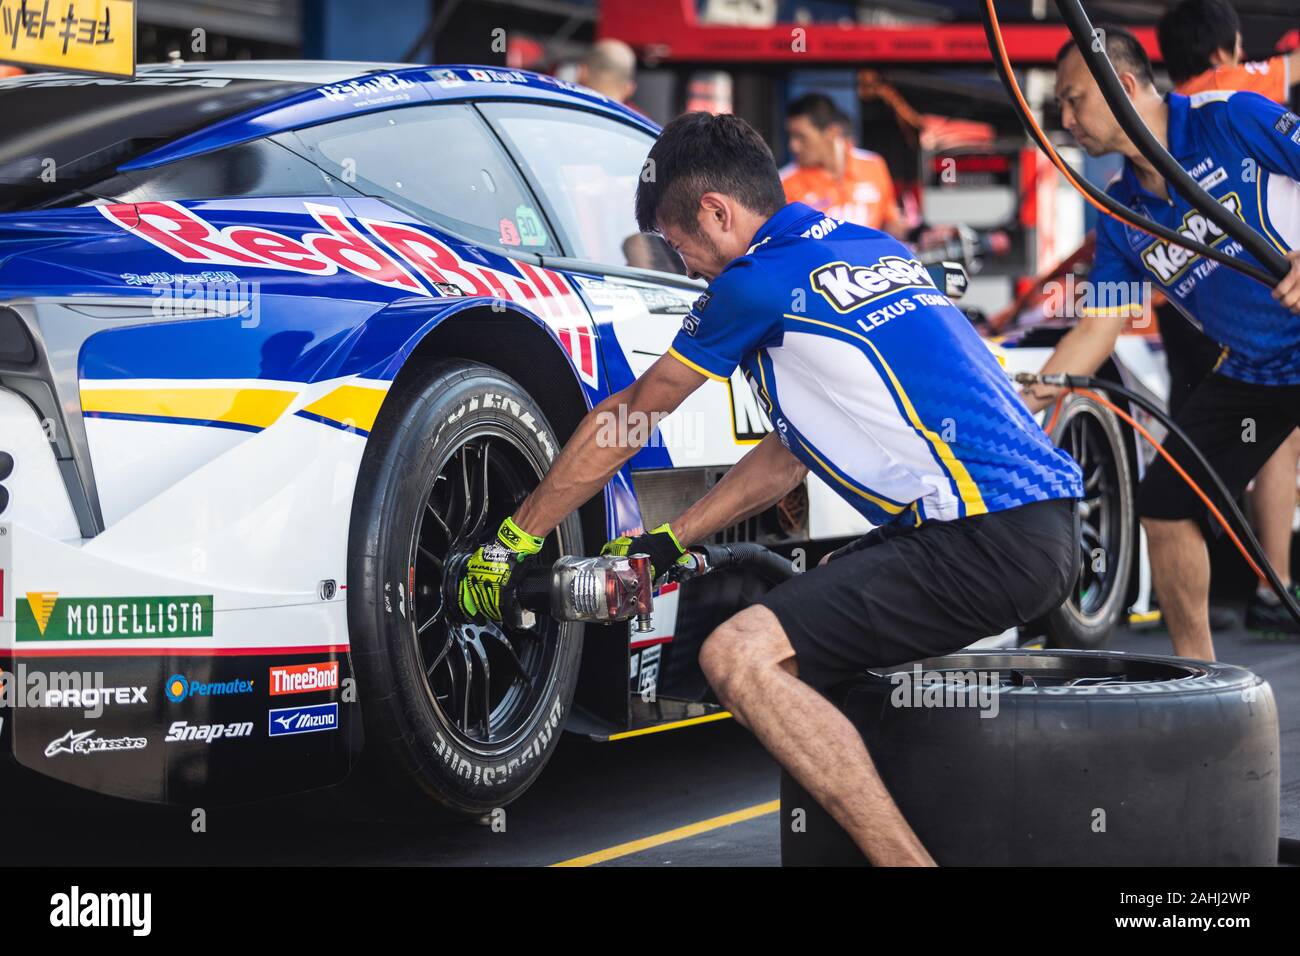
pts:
[1107, 522]
[457, 446]
[1090, 759]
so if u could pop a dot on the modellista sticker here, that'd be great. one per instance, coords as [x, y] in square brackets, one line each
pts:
[45, 616]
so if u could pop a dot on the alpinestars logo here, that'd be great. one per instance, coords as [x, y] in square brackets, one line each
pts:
[85, 742]
[1167, 261]
[848, 287]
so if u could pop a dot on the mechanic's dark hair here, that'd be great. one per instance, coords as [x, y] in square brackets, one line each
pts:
[1124, 50]
[819, 110]
[699, 153]
[1191, 32]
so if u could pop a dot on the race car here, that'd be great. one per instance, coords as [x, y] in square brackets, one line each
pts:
[276, 339]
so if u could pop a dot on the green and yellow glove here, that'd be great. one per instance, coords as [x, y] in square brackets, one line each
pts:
[491, 571]
[660, 543]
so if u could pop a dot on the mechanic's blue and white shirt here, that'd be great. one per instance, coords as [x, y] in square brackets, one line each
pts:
[1244, 150]
[871, 377]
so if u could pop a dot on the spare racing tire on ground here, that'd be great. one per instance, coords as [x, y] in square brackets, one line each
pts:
[1084, 758]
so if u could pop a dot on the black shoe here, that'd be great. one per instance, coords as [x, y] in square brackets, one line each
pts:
[1272, 619]
[1223, 618]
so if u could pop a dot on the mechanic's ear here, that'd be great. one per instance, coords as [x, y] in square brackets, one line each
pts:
[716, 208]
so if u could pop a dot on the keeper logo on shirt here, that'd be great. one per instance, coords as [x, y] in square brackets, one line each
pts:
[847, 287]
[1167, 261]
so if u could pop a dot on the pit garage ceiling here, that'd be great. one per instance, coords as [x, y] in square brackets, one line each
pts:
[273, 21]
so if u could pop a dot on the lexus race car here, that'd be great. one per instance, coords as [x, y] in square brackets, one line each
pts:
[275, 339]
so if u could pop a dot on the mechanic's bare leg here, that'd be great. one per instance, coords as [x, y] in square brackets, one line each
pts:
[1180, 572]
[1274, 505]
[750, 664]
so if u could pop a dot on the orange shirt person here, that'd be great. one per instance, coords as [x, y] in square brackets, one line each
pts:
[830, 174]
[1200, 41]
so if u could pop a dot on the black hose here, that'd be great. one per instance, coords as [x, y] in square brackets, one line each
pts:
[1116, 208]
[1101, 68]
[1243, 526]
[764, 562]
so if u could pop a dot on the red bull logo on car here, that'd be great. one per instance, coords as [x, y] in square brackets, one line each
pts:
[393, 255]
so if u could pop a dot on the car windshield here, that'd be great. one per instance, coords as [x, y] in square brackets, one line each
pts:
[61, 133]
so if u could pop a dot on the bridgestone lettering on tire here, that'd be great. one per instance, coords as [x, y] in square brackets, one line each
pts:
[465, 715]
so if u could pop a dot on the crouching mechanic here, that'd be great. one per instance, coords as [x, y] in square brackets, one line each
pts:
[879, 385]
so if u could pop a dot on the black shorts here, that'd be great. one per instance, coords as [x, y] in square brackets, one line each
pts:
[1190, 354]
[900, 594]
[1237, 426]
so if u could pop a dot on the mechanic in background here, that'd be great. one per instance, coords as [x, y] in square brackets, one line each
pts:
[829, 173]
[876, 383]
[609, 68]
[1246, 150]
[1200, 41]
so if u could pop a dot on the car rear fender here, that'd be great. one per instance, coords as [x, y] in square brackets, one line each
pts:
[27, 232]
[508, 337]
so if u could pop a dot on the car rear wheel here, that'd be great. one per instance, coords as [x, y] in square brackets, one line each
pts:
[465, 714]
[1107, 526]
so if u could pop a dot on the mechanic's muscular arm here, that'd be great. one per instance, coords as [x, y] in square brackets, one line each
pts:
[759, 480]
[589, 460]
[1080, 352]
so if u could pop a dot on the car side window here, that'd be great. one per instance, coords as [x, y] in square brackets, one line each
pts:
[439, 163]
[256, 168]
[586, 167]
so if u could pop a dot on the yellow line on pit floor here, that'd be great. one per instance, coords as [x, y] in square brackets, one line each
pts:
[1145, 617]
[674, 725]
[671, 836]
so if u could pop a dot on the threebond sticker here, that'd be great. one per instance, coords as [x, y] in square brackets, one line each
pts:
[83, 36]
[49, 616]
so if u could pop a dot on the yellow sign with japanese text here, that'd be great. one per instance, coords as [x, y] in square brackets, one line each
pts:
[80, 36]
